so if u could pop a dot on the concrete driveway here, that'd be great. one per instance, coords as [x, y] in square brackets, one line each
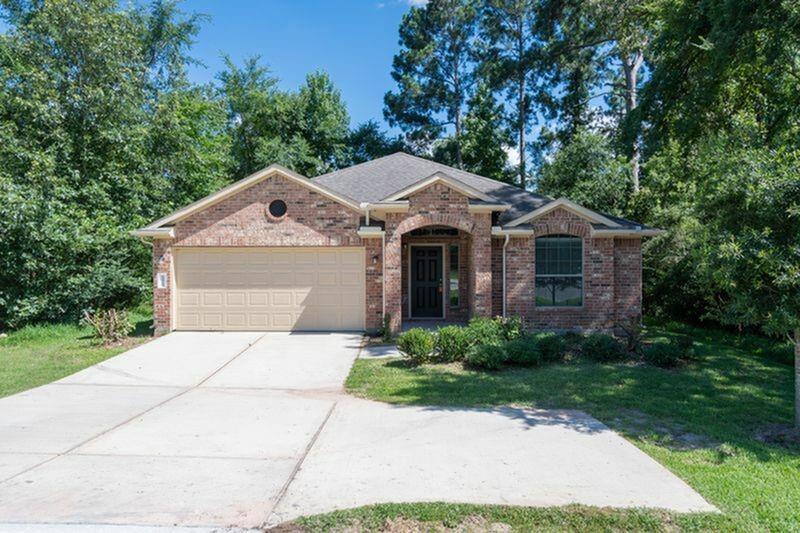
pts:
[247, 429]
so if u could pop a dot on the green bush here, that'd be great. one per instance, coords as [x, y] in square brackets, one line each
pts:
[551, 346]
[417, 344]
[486, 356]
[452, 343]
[523, 351]
[665, 355]
[510, 327]
[603, 348]
[485, 331]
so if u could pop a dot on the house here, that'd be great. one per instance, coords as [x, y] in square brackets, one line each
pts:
[399, 236]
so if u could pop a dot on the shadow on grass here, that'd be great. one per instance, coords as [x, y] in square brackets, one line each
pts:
[725, 396]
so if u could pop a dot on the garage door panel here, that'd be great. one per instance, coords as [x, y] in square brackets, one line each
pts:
[270, 288]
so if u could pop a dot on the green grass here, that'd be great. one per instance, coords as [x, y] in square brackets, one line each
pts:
[699, 421]
[35, 355]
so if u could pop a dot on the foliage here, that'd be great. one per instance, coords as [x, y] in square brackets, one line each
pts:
[386, 328]
[588, 172]
[551, 346]
[666, 355]
[511, 327]
[367, 142]
[633, 332]
[523, 351]
[486, 356]
[484, 330]
[603, 348]
[111, 326]
[417, 344]
[452, 343]
[433, 71]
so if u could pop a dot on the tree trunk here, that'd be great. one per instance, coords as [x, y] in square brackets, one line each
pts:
[459, 161]
[797, 378]
[631, 66]
[521, 101]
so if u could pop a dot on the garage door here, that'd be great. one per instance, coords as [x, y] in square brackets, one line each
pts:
[277, 289]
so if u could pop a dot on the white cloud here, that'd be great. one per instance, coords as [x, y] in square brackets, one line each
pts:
[417, 3]
[513, 155]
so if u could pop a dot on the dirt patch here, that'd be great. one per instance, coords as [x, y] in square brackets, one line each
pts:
[471, 524]
[779, 435]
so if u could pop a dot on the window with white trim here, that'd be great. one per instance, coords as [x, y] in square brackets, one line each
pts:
[559, 271]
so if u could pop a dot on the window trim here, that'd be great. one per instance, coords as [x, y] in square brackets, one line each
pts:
[457, 246]
[582, 275]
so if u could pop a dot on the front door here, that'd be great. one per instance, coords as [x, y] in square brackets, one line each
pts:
[426, 282]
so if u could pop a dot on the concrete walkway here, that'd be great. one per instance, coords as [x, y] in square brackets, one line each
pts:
[246, 429]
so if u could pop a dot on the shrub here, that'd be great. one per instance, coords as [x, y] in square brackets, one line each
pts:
[551, 346]
[685, 343]
[109, 325]
[484, 331]
[633, 333]
[417, 344]
[510, 327]
[665, 355]
[603, 348]
[386, 329]
[523, 351]
[452, 343]
[486, 356]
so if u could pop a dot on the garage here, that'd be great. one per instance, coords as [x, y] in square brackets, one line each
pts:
[269, 289]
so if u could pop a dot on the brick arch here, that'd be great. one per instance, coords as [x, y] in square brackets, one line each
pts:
[574, 229]
[419, 221]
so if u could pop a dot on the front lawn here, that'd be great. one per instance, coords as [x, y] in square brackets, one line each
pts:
[699, 421]
[36, 355]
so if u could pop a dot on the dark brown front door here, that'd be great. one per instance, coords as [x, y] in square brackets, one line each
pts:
[426, 281]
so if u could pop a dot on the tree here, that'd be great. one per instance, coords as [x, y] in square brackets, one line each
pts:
[81, 164]
[587, 171]
[434, 71]
[367, 142]
[484, 141]
[510, 60]
[323, 122]
[750, 207]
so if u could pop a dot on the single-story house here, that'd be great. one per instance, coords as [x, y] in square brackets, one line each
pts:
[399, 236]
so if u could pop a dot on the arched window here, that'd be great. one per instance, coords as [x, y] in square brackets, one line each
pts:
[559, 271]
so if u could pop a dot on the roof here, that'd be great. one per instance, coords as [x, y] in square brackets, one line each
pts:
[382, 178]
[387, 180]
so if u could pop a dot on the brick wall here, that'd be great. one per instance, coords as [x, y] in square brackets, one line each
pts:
[611, 277]
[241, 220]
[439, 205]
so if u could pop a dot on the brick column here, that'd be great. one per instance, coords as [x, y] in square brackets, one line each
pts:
[374, 284]
[392, 277]
[481, 265]
[162, 298]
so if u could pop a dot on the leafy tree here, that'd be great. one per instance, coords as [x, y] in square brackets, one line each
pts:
[750, 207]
[323, 122]
[434, 71]
[511, 62]
[484, 141]
[367, 142]
[587, 171]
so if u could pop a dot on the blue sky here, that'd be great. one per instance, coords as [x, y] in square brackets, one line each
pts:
[352, 40]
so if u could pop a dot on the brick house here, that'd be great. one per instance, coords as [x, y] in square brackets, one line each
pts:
[399, 236]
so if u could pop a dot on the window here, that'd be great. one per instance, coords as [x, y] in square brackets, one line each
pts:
[277, 208]
[453, 276]
[559, 271]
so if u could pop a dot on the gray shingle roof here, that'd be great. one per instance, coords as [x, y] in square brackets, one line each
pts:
[377, 179]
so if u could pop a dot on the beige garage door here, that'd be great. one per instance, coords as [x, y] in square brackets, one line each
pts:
[277, 289]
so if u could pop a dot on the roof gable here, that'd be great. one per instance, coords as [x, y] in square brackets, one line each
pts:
[438, 177]
[570, 206]
[240, 186]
